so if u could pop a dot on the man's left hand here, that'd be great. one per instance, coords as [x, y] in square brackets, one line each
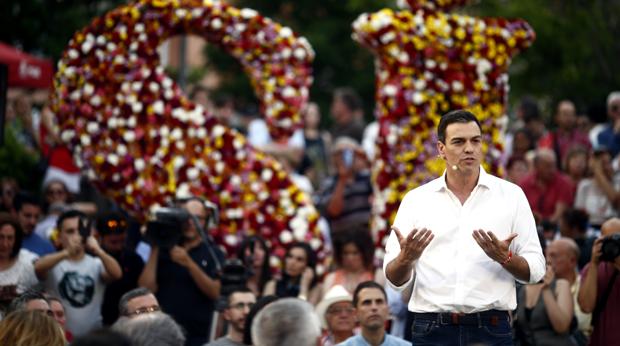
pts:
[496, 249]
[179, 255]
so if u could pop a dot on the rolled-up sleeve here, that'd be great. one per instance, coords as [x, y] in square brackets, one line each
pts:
[527, 243]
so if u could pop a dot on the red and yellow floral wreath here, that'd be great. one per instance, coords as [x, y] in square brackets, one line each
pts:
[430, 62]
[143, 141]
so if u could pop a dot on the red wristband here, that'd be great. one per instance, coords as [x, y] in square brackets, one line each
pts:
[508, 259]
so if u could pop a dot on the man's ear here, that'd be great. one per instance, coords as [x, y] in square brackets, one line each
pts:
[441, 150]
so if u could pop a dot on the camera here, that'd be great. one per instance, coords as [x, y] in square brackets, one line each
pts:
[85, 225]
[166, 229]
[234, 275]
[610, 249]
[347, 157]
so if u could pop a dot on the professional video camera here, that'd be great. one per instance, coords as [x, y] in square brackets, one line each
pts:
[166, 229]
[610, 249]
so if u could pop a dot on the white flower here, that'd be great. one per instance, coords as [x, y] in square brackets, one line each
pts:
[176, 134]
[219, 167]
[231, 239]
[95, 101]
[113, 159]
[85, 140]
[158, 107]
[286, 32]
[139, 164]
[286, 237]
[67, 135]
[457, 86]
[286, 53]
[192, 173]
[266, 174]
[216, 23]
[121, 150]
[248, 13]
[418, 98]
[136, 107]
[129, 136]
[73, 54]
[300, 53]
[390, 90]
[218, 131]
[92, 127]
[288, 91]
[316, 243]
[388, 37]
[178, 162]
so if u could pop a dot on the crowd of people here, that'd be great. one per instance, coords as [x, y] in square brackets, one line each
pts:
[76, 269]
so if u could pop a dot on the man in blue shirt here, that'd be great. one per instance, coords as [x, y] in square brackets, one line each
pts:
[28, 213]
[370, 302]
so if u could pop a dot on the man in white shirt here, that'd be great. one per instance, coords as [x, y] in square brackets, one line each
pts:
[465, 238]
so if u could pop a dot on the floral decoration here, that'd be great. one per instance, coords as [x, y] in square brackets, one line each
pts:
[143, 142]
[428, 63]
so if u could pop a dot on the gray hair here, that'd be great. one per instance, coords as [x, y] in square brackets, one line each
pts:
[288, 321]
[136, 292]
[20, 302]
[614, 95]
[156, 329]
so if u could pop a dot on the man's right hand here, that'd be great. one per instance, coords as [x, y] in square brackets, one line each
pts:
[412, 246]
[596, 251]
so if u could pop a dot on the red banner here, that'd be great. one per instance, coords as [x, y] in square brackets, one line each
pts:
[26, 70]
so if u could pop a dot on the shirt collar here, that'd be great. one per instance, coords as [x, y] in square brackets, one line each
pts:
[484, 179]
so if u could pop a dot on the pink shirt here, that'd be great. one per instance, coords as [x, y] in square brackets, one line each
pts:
[607, 331]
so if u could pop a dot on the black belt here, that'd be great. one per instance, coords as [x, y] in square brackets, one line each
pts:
[492, 317]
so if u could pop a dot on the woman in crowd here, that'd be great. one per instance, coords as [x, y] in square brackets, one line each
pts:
[298, 278]
[9, 189]
[254, 254]
[16, 269]
[599, 195]
[545, 312]
[576, 164]
[317, 146]
[30, 328]
[353, 254]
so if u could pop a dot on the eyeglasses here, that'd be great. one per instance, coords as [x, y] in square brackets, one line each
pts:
[337, 311]
[145, 310]
[240, 306]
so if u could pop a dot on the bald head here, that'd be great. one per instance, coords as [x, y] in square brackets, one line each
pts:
[566, 246]
[610, 227]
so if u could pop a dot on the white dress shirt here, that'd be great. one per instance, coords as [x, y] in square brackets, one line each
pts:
[453, 274]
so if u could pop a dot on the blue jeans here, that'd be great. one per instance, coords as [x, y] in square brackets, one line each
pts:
[484, 328]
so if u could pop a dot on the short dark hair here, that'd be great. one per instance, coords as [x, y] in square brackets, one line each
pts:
[8, 219]
[23, 198]
[136, 292]
[69, 214]
[367, 284]
[576, 218]
[237, 289]
[363, 242]
[456, 116]
[349, 97]
[20, 302]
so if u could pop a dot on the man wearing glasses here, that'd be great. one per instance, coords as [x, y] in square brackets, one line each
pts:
[137, 302]
[337, 316]
[239, 302]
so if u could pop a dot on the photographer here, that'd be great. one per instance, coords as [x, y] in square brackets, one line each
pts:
[600, 288]
[185, 277]
[345, 199]
[75, 276]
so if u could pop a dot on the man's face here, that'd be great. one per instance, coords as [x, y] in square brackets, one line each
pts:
[613, 109]
[197, 209]
[39, 305]
[59, 312]
[566, 116]
[239, 305]
[113, 242]
[340, 317]
[560, 258]
[7, 241]
[545, 168]
[28, 217]
[69, 232]
[372, 309]
[142, 304]
[462, 147]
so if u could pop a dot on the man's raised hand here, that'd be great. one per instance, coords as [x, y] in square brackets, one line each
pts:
[413, 245]
[496, 249]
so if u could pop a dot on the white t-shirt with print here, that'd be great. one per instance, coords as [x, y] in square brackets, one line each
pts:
[80, 287]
